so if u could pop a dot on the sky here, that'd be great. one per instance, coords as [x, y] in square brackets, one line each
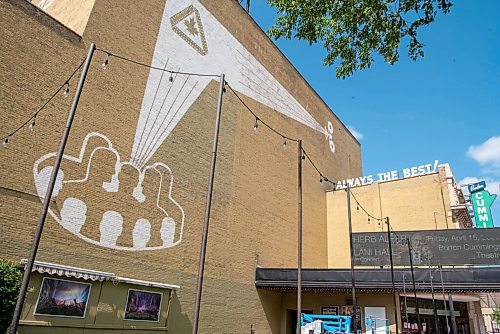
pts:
[445, 106]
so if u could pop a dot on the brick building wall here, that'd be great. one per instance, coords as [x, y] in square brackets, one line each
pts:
[254, 206]
[417, 203]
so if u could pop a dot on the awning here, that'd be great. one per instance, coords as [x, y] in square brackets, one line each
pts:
[485, 279]
[88, 274]
[57, 269]
[146, 283]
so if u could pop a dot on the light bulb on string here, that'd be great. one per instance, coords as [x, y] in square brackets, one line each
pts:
[284, 142]
[321, 179]
[105, 63]
[357, 206]
[171, 78]
[32, 124]
[368, 219]
[66, 89]
[5, 142]
[256, 125]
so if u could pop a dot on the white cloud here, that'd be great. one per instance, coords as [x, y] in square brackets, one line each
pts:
[356, 134]
[487, 152]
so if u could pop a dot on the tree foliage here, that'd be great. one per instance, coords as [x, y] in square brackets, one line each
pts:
[496, 315]
[10, 283]
[353, 31]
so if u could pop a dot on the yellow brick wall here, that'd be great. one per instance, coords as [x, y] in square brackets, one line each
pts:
[72, 14]
[418, 203]
[254, 212]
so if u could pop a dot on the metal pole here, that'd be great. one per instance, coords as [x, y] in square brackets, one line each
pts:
[48, 195]
[414, 288]
[406, 306]
[208, 205]
[444, 299]
[452, 315]
[436, 320]
[353, 280]
[299, 238]
[392, 275]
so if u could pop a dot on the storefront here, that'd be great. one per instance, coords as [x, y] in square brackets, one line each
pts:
[326, 291]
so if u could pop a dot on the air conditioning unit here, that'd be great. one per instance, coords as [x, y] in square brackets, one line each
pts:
[315, 327]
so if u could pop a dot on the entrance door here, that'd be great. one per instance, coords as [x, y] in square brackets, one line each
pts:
[376, 316]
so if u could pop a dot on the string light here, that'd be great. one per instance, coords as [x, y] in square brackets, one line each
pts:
[32, 124]
[31, 121]
[109, 54]
[66, 89]
[257, 119]
[105, 63]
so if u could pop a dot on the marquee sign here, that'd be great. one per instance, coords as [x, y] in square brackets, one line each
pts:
[481, 202]
[446, 247]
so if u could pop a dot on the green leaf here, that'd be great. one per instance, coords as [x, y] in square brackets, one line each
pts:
[354, 31]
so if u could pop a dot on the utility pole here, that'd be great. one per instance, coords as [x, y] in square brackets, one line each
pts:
[452, 315]
[208, 206]
[406, 306]
[392, 275]
[353, 280]
[410, 253]
[299, 237]
[436, 320]
[444, 299]
[48, 194]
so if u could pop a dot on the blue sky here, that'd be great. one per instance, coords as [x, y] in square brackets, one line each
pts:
[445, 106]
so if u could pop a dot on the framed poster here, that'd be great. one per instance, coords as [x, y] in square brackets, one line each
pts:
[143, 305]
[330, 310]
[62, 298]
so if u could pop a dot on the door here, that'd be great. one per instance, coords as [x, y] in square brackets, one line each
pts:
[375, 320]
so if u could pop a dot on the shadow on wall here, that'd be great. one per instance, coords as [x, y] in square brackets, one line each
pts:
[271, 304]
[178, 321]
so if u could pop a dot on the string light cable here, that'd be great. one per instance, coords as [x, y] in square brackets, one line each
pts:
[110, 54]
[322, 177]
[258, 120]
[32, 119]
[358, 206]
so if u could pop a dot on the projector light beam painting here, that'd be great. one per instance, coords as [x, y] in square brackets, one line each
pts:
[190, 39]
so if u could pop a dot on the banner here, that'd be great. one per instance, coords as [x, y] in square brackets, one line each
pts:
[446, 247]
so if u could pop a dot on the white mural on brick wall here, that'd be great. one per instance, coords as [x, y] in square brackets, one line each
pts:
[190, 39]
[73, 214]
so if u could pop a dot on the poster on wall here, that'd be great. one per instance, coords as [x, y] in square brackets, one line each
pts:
[143, 305]
[62, 298]
[330, 310]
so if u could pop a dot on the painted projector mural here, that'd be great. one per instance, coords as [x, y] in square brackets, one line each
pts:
[190, 39]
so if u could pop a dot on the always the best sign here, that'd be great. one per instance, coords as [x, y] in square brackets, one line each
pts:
[388, 176]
